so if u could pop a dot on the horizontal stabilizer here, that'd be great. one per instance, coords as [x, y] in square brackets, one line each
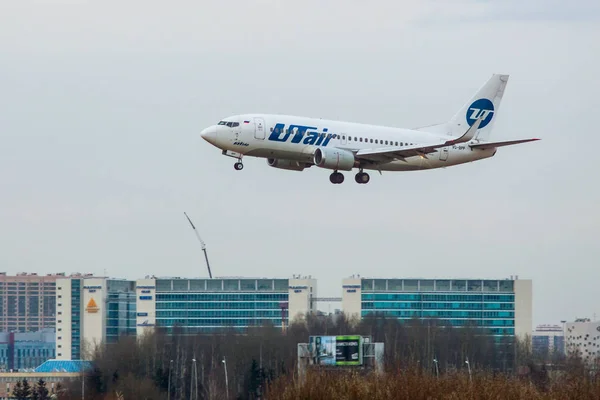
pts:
[490, 145]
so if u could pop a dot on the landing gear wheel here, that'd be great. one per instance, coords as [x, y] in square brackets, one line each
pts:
[362, 178]
[336, 178]
[238, 165]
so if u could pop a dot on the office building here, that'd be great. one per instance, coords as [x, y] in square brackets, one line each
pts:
[210, 305]
[582, 339]
[23, 351]
[92, 311]
[27, 302]
[547, 340]
[503, 307]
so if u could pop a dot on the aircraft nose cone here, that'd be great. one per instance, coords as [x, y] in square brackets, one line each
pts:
[209, 134]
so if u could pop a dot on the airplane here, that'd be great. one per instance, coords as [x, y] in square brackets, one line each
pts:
[296, 143]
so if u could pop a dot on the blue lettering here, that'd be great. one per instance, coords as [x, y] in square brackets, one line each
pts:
[321, 137]
[329, 137]
[311, 138]
[301, 130]
[281, 134]
[279, 128]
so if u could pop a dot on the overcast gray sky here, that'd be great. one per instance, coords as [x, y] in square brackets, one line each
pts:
[102, 104]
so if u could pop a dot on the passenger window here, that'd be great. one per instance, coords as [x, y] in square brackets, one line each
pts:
[361, 139]
[397, 143]
[386, 142]
[376, 141]
[371, 140]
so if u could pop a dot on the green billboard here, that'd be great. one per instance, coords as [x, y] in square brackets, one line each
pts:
[336, 350]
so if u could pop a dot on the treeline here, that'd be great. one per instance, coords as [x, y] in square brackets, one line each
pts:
[229, 365]
[22, 390]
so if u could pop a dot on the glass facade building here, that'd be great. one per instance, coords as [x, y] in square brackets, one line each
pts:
[210, 305]
[207, 305]
[120, 309]
[495, 305]
[76, 318]
[21, 351]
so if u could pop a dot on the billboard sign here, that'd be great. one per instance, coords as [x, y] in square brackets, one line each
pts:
[336, 350]
[348, 350]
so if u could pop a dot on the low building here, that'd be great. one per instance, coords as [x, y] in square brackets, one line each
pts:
[502, 306]
[52, 372]
[91, 311]
[25, 351]
[547, 340]
[210, 305]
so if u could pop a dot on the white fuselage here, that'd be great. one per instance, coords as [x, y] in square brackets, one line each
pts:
[294, 138]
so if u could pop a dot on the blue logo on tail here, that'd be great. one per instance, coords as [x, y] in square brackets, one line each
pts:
[483, 108]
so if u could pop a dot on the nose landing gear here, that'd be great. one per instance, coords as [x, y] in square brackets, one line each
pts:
[238, 165]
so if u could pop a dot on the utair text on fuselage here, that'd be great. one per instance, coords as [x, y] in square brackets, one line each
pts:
[296, 143]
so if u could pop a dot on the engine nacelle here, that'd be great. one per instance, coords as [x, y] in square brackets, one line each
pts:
[286, 164]
[336, 159]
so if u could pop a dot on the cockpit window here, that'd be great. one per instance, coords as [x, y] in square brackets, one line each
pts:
[229, 123]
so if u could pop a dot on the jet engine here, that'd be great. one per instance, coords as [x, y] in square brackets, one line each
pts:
[286, 164]
[336, 159]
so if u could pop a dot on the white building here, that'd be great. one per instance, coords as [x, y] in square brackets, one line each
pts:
[582, 339]
[91, 311]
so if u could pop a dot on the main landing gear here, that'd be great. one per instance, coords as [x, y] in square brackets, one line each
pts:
[336, 178]
[362, 178]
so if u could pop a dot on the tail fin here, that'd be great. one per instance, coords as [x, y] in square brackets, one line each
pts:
[485, 104]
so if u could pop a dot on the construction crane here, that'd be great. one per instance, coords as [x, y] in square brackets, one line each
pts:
[201, 243]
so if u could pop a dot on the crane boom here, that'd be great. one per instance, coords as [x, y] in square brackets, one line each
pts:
[201, 243]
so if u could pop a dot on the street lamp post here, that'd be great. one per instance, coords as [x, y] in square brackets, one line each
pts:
[437, 369]
[226, 381]
[564, 338]
[192, 379]
[169, 385]
[469, 367]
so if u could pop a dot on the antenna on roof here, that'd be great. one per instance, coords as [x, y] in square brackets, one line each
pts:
[201, 243]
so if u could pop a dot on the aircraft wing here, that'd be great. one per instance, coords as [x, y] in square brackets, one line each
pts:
[489, 145]
[384, 154]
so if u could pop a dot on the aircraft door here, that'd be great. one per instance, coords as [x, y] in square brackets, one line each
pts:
[259, 128]
[443, 154]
